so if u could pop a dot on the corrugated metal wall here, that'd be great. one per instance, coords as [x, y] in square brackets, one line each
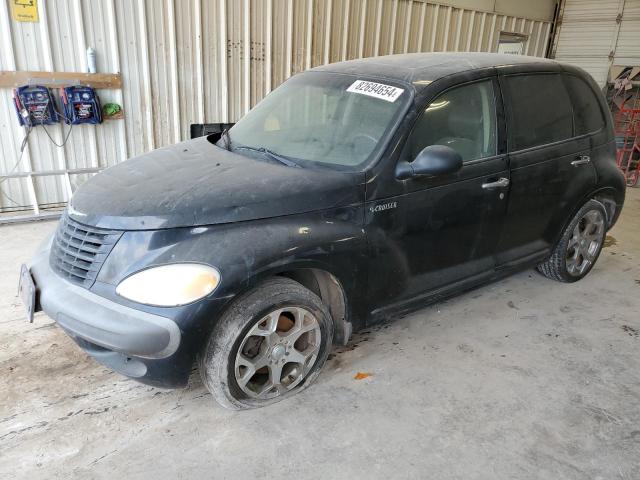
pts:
[199, 61]
[595, 34]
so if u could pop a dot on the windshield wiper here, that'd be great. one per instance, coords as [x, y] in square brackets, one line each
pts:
[227, 139]
[273, 155]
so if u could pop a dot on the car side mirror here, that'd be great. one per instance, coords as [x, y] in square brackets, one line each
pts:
[432, 161]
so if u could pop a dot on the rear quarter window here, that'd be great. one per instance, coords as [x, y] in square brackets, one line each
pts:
[587, 114]
[540, 110]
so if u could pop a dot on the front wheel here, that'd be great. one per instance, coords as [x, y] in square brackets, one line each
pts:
[270, 344]
[580, 245]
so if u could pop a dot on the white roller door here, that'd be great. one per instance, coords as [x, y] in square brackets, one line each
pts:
[628, 48]
[595, 34]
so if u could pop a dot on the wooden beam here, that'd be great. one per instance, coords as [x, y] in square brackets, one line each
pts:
[10, 79]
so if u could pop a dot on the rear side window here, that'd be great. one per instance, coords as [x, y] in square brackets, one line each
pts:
[540, 110]
[586, 108]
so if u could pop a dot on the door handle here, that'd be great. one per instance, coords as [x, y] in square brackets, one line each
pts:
[581, 160]
[500, 183]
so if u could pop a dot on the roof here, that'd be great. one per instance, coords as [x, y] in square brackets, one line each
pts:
[416, 67]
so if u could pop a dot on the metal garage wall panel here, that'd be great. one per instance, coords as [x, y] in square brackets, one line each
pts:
[13, 192]
[594, 34]
[195, 61]
[67, 51]
[334, 30]
[259, 25]
[214, 53]
[188, 60]
[139, 111]
[235, 54]
[100, 32]
[298, 20]
[384, 45]
[279, 57]
[32, 51]
[161, 58]
[372, 11]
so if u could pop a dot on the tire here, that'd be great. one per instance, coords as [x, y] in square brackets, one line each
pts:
[278, 329]
[580, 245]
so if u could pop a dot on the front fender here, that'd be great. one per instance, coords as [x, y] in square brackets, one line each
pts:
[245, 253]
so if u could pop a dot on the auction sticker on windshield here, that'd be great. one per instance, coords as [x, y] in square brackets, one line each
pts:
[376, 90]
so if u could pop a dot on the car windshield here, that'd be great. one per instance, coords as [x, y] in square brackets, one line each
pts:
[324, 119]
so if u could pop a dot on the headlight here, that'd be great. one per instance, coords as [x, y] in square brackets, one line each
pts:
[170, 285]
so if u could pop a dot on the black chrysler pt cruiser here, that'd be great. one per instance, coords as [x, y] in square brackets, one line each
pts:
[352, 193]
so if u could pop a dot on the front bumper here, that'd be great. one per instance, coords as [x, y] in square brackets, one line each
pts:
[124, 339]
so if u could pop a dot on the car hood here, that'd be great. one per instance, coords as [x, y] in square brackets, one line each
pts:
[197, 183]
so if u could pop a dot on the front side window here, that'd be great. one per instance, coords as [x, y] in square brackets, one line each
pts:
[321, 118]
[540, 110]
[586, 108]
[463, 118]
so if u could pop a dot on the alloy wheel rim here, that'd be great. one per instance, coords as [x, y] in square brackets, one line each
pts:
[277, 353]
[585, 242]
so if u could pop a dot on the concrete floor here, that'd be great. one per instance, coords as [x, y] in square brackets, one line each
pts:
[524, 378]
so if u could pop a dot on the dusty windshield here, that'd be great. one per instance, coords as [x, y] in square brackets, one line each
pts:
[321, 118]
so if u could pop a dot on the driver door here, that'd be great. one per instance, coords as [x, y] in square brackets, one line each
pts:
[442, 232]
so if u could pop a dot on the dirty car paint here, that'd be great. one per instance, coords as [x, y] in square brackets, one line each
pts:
[197, 183]
[393, 245]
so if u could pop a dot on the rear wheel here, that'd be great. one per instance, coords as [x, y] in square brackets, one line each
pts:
[580, 245]
[270, 344]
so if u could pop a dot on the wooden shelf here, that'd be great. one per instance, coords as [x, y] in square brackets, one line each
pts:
[10, 79]
[117, 116]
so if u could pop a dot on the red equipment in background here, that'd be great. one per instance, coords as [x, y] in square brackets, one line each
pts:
[627, 130]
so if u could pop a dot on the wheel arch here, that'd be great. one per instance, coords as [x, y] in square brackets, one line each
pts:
[612, 202]
[318, 279]
[331, 292]
[607, 196]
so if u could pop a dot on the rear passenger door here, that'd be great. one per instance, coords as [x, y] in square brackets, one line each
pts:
[549, 164]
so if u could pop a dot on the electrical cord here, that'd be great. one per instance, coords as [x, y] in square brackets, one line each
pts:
[66, 137]
[6, 195]
[23, 146]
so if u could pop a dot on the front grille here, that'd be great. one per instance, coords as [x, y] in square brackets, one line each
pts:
[78, 251]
